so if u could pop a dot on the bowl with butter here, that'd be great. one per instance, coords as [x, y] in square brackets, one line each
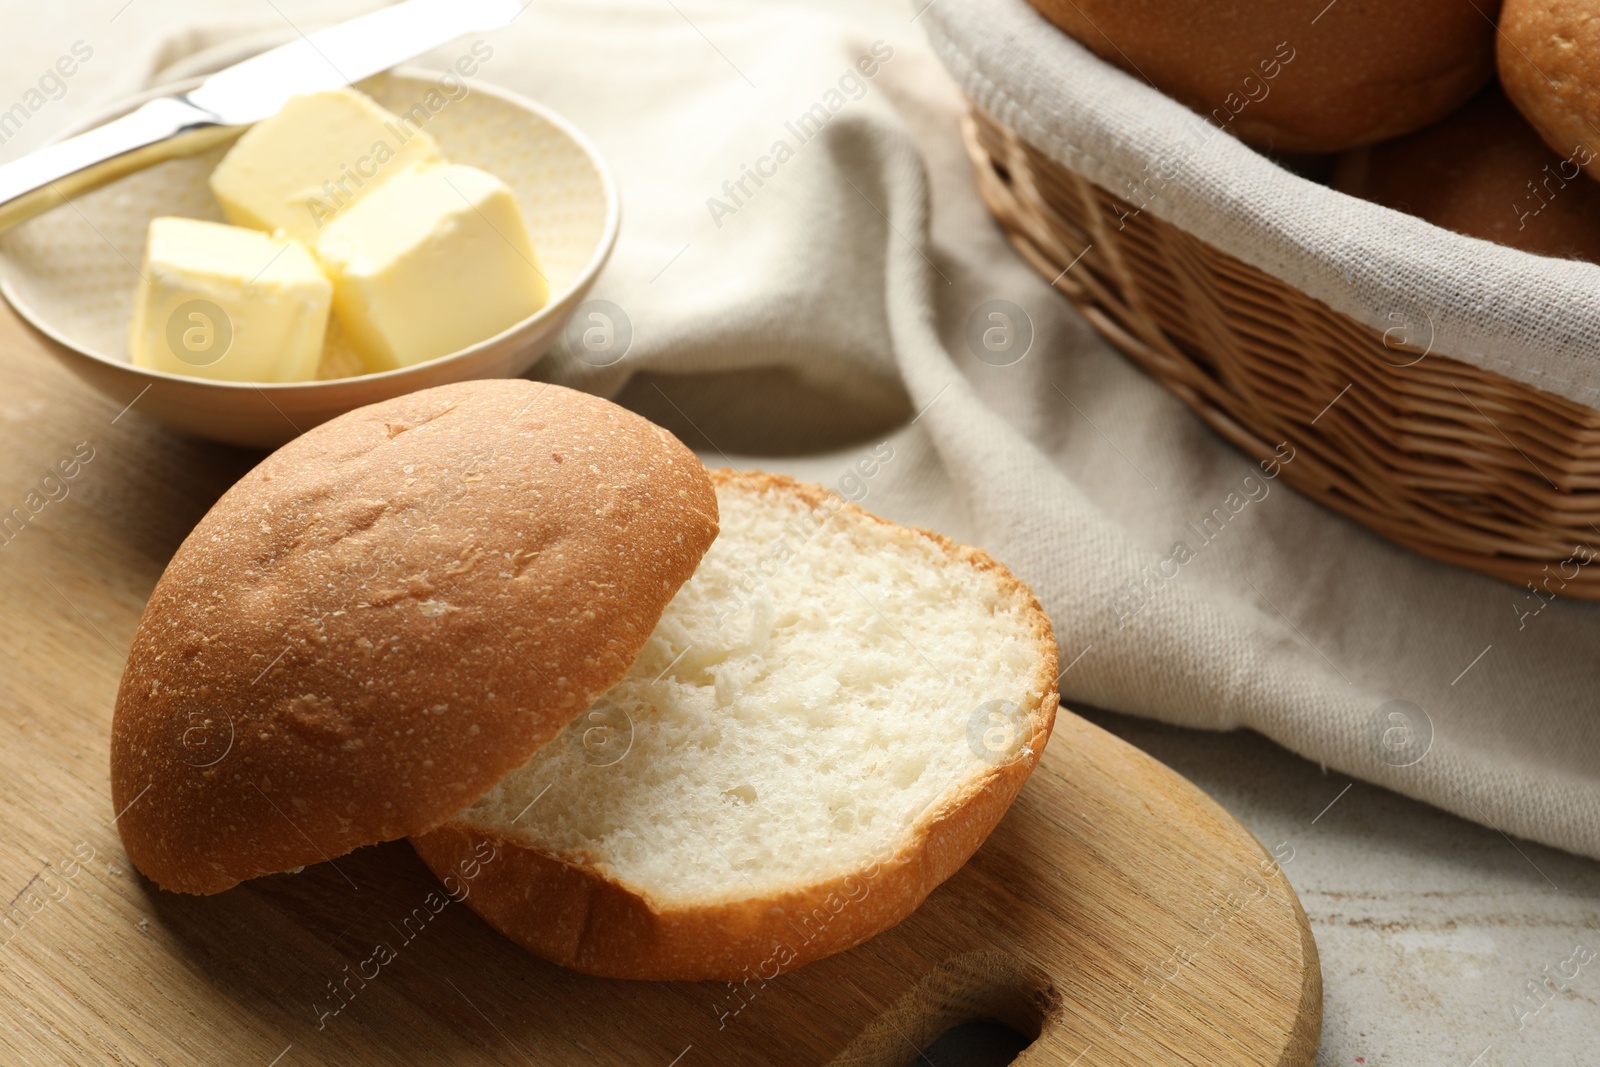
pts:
[361, 244]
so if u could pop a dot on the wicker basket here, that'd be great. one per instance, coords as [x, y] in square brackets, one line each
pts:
[1456, 462]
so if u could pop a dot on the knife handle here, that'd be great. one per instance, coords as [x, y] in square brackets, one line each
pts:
[161, 129]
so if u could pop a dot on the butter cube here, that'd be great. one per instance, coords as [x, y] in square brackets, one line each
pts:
[435, 259]
[321, 153]
[228, 303]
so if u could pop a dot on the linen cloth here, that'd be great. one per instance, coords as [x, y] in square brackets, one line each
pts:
[828, 320]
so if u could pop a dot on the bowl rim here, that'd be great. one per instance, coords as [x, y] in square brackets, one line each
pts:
[552, 307]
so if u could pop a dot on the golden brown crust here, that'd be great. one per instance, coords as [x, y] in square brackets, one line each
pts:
[575, 916]
[387, 615]
[1483, 172]
[1296, 75]
[1549, 57]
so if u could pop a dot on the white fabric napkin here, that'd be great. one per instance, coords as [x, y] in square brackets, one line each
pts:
[808, 281]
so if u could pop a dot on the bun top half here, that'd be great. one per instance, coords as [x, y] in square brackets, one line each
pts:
[386, 616]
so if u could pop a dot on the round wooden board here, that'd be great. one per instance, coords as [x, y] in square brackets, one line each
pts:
[1118, 913]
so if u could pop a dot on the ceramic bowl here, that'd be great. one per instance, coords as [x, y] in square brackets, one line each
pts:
[71, 274]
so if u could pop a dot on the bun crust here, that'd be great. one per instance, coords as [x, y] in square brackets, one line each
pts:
[574, 915]
[1549, 58]
[1483, 172]
[1296, 75]
[388, 614]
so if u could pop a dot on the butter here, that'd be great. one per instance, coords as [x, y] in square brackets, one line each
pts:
[320, 154]
[228, 303]
[435, 259]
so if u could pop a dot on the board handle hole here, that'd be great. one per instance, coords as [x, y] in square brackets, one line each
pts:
[979, 1043]
[988, 1003]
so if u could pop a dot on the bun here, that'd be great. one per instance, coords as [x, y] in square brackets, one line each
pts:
[1483, 172]
[386, 615]
[829, 719]
[1549, 57]
[1296, 75]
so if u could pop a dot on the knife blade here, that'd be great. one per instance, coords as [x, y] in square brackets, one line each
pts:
[244, 93]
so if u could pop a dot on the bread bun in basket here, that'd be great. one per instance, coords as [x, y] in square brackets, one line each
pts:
[1549, 57]
[1296, 75]
[1484, 172]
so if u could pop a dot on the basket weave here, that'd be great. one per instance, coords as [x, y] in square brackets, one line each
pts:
[1456, 462]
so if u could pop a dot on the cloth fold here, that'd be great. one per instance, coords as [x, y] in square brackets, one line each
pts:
[854, 317]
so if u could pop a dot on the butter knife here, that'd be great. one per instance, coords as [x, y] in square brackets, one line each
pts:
[246, 92]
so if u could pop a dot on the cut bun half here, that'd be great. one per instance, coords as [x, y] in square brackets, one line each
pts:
[386, 615]
[826, 723]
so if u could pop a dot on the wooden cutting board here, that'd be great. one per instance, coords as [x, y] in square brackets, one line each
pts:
[1118, 914]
